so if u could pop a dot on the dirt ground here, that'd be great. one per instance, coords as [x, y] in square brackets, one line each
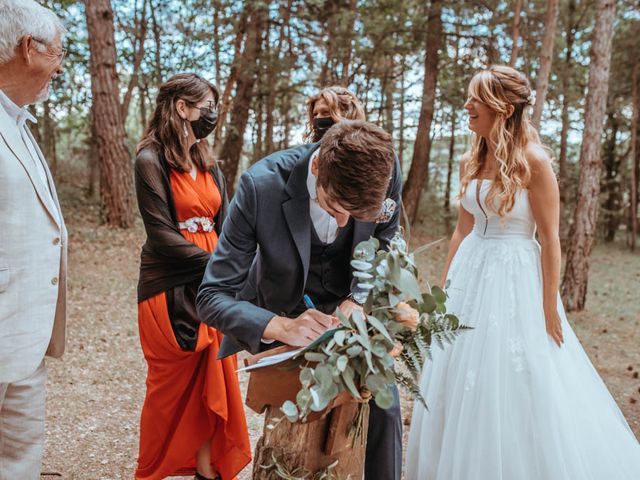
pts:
[96, 391]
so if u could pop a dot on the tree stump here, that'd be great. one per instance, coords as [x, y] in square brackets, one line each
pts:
[331, 441]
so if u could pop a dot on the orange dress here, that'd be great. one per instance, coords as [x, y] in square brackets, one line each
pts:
[191, 396]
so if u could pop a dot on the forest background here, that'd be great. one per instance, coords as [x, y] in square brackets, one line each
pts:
[410, 63]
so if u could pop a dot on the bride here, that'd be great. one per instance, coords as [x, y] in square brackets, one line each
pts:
[516, 398]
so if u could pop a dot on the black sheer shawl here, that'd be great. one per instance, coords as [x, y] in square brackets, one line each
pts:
[169, 262]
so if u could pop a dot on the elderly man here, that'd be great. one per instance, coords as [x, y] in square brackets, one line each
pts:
[33, 238]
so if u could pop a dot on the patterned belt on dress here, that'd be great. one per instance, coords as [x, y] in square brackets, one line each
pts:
[197, 224]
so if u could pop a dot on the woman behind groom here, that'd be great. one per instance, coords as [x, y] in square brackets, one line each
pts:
[192, 420]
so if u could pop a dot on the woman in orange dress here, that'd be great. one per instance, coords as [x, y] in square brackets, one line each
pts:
[192, 420]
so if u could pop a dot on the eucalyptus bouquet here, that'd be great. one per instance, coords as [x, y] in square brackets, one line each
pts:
[360, 355]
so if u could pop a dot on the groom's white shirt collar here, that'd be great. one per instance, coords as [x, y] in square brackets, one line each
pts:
[324, 224]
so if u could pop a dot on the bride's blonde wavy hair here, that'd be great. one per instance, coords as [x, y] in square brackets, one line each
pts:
[498, 87]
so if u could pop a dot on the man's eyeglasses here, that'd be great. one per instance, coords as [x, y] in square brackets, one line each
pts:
[60, 54]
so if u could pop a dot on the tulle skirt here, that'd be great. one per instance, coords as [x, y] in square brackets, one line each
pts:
[505, 403]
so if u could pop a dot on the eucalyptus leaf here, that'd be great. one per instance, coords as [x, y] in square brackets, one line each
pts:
[362, 275]
[384, 398]
[290, 410]
[409, 285]
[361, 265]
[379, 326]
[358, 318]
[342, 363]
[347, 378]
[428, 304]
[438, 294]
[354, 351]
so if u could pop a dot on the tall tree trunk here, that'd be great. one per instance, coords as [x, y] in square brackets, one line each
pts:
[116, 187]
[157, 38]
[574, 287]
[402, 111]
[93, 192]
[216, 5]
[452, 144]
[634, 154]
[418, 177]
[49, 125]
[566, 96]
[246, 77]
[143, 94]
[138, 55]
[611, 180]
[546, 59]
[225, 99]
[340, 18]
[515, 32]
[452, 140]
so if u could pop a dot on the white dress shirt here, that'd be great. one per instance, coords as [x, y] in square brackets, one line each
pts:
[323, 223]
[20, 116]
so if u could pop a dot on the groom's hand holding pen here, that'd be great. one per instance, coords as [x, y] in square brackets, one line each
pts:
[303, 329]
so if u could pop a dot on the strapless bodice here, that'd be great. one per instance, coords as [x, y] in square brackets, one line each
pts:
[518, 223]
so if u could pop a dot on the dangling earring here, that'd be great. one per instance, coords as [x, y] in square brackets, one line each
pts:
[185, 132]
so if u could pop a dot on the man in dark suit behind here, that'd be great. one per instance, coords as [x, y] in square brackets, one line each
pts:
[295, 219]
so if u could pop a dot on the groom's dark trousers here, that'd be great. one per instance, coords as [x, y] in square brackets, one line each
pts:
[268, 256]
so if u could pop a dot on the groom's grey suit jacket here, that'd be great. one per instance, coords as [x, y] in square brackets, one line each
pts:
[261, 262]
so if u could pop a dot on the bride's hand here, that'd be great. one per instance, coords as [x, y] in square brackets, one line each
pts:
[554, 327]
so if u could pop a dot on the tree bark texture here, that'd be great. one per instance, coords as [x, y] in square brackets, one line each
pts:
[116, 186]
[574, 286]
[515, 32]
[611, 181]
[225, 98]
[335, 436]
[138, 55]
[566, 101]
[418, 177]
[546, 59]
[635, 161]
[245, 80]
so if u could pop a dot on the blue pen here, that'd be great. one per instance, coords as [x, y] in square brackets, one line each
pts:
[307, 302]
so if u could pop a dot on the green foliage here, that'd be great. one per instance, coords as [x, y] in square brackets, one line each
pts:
[357, 356]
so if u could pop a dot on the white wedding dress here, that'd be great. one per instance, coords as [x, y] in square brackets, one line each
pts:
[505, 403]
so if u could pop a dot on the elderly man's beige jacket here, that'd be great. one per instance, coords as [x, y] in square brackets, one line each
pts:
[33, 255]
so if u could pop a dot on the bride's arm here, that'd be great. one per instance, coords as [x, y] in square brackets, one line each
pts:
[544, 198]
[463, 228]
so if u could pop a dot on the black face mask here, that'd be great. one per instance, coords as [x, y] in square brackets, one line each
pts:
[321, 125]
[205, 124]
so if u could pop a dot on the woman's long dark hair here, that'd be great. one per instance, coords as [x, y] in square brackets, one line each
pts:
[164, 131]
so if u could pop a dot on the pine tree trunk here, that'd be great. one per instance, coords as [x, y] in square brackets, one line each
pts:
[635, 161]
[245, 80]
[515, 32]
[574, 287]
[418, 177]
[225, 98]
[49, 127]
[216, 5]
[402, 111]
[611, 180]
[452, 143]
[116, 187]
[564, 134]
[138, 55]
[546, 59]
[157, 38]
